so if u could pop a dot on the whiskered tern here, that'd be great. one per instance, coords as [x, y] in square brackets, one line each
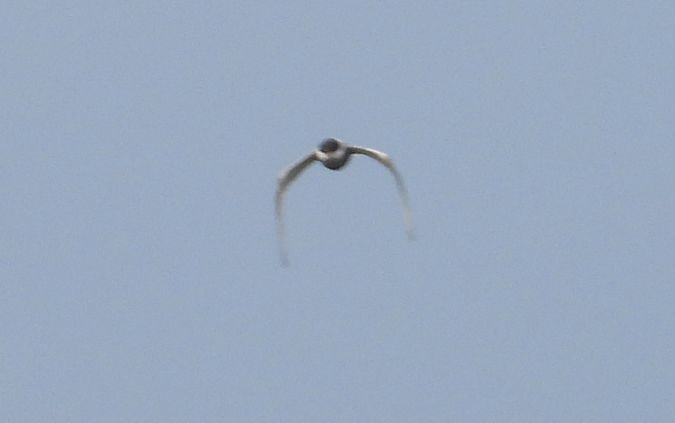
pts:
[334, 154]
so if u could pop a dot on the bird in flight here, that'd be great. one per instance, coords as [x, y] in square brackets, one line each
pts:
[334, 154]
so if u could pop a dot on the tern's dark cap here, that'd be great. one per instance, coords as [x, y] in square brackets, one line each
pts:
[329, 145]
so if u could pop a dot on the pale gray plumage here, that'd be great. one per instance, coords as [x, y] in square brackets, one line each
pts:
[334, 154]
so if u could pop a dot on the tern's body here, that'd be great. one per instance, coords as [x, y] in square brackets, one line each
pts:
[334, 155]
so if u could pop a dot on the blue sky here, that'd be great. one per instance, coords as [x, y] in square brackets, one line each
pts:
[139, 270]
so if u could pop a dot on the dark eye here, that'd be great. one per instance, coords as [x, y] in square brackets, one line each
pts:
[329, 145]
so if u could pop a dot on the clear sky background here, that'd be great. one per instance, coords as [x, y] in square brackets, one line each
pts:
[139, 272]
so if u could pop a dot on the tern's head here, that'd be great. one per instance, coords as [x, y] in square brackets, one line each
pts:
[329, 145]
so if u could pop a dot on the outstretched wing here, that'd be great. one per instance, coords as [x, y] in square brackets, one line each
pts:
[386, 161]
[285, 179]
